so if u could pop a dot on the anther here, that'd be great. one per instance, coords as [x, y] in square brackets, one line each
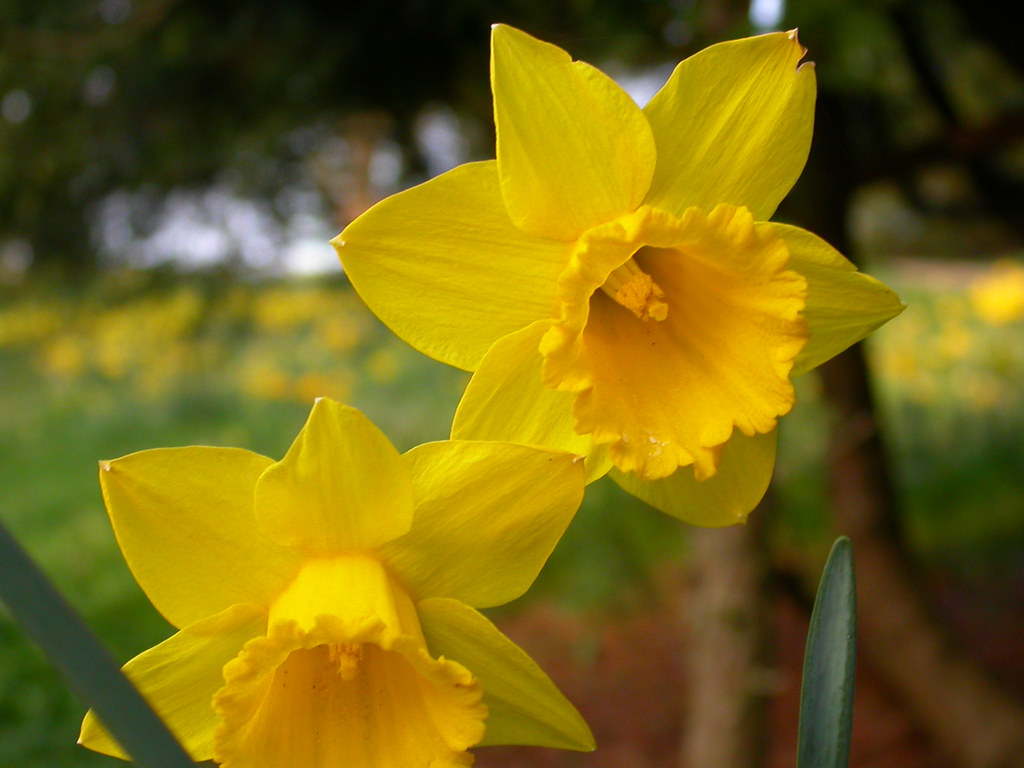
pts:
[636, 291]
[346, 658]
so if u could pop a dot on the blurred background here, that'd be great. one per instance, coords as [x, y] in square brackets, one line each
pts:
[171, 171]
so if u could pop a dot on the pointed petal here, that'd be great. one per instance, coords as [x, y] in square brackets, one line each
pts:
[573, 149]
[442, 265]
[726, 498]
[179, 676]
[733, 125]
[183, 519]
[525, 706]
[507, 400]
[341, 486]
[843, 304]
[487, 517]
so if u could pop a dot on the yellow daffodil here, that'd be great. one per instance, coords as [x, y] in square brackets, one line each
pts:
[612, 278]
[323, 601]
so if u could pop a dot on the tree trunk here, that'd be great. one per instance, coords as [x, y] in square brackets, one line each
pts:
[727, 631]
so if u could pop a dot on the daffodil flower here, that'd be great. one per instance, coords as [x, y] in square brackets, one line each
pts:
[612, 278]
[323, 601]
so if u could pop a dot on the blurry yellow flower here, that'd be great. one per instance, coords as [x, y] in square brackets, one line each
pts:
[610, 277]
[28, 322]
[282, 309]
[323, 601]
[953, 342]
[287, 307]
[261, 378]
[340, 332]
[383, 365]
[998, 296]
[64, 356]
[310, 386]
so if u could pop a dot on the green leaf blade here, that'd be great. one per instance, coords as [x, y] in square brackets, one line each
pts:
[826, 697]
[85, 664]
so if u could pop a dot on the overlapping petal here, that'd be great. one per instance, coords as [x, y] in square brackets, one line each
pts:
[341, 486]
[183, 519]
[843, 304]
[179, 676]
[507, 400]
[573, 149]
[487, 517]
[443, 266]
[733, 125]
[525, 706]
[744, 472]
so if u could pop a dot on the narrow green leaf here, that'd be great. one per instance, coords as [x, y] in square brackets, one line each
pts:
[89, 670]
[826, 698]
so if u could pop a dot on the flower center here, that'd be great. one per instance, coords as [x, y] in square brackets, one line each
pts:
[346, 658]
[636, 291]
[343, 676]
[667, 394]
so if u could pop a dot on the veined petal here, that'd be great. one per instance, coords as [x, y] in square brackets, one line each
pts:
[843, 304]
[733, 125]
[506, 400]
[744, 471]
[179, 676]
[323, 697]
[341, 486]
[487, 517]
[184, 521]
[525, 706]
[443, 266]
[573, 149]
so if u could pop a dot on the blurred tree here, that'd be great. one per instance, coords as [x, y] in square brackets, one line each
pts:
[103, 95]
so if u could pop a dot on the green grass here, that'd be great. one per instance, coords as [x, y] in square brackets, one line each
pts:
[140, 360]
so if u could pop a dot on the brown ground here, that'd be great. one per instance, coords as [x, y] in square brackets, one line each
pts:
[625, 676]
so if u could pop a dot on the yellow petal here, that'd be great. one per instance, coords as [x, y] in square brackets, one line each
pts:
[442, 265]
[669, 392]
[179, 677]
[573, 149]
[733, 125]
[507, 400]
[487, 517]
[727, 498]
[525, 706]
[184, 521]
[334, 693]
[843, 304]
[341, 486]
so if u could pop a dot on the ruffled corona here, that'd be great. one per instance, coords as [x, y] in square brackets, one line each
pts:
[343, 677]
[674, 332]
